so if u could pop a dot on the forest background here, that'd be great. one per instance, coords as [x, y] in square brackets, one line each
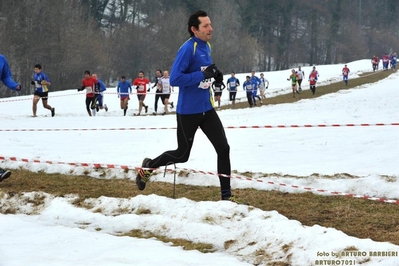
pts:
[121, 37]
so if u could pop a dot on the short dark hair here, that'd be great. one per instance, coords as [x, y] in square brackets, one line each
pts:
[87, 72]
[123, 77]
[141, 71]
[193, 20]
[38, 66]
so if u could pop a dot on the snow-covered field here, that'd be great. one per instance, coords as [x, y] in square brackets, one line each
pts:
[58, 233]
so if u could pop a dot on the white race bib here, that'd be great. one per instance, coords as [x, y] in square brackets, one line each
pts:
[89, 89]
[206, 83]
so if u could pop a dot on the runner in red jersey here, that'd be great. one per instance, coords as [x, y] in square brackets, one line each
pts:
[345, 74]
[313, 80]
[90, 84]
[140, 84]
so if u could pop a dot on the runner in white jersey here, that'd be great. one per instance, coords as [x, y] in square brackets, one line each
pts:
[164, 84]
[300, 74]
[264, 84]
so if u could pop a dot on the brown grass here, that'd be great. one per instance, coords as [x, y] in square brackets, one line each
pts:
[356, 217]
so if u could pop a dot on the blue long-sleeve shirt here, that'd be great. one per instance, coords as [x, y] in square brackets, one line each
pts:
[393, 60]
[124, 88]
[195, 95]
[102, 85]
[256, 81]
[5, 74]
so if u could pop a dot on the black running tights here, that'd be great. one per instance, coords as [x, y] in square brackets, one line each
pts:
[212, 127]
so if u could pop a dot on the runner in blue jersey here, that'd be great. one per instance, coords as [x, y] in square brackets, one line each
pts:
[100, 95]
[256, 81]
[393, 61]
[41, 83]
[6, 78]
[249, 86]
[192, 72]
[232, 84]
[124, 89]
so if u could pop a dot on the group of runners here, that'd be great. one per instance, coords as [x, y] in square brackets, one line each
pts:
[142, 85]
[95, 88]
[386, 60]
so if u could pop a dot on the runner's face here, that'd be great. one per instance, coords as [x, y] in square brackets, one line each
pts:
[141, 75]
[204, 31]
[37, 70]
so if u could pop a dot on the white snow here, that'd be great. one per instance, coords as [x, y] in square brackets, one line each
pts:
[361, 160]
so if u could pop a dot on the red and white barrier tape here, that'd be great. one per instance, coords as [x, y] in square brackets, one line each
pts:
[334, 193]
[87, 129]
[90, 165]
[227, 127]
[126, 167]
[319, 125]
[27, 98]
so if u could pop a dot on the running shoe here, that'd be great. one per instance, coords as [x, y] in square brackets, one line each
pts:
[4, 174]
[144, 174]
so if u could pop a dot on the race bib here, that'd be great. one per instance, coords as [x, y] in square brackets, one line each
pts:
[89, 89]
[141, 88]
[206, 83]
[165, 88]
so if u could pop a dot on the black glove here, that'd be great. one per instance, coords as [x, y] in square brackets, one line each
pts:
[148, 90]
[137, 87]
[19, 87]
[82, 88]
[210, 72]
[32, 82]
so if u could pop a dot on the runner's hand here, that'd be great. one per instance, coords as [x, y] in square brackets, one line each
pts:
[210, 72]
